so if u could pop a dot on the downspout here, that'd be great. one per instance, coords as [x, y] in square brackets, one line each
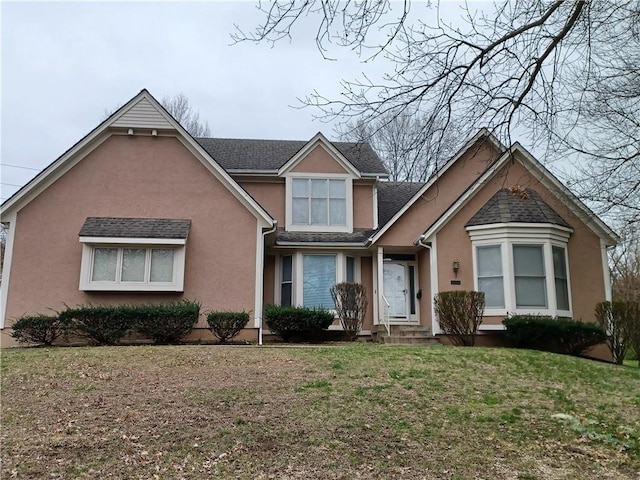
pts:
[421, 243]
[264, 238]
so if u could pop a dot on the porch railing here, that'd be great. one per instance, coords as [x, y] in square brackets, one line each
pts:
[385, 315]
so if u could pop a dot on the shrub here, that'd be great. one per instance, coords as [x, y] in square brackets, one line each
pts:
[39, 329]
[165, 324]
[226, 325]
[553, 334]
[460, 314]
[106, 325]
[101, 325]
[297, 322]
[351, 306]
[621, 321]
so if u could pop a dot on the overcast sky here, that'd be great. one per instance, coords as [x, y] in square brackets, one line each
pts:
[65, 64]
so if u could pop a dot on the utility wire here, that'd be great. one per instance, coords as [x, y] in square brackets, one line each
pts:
[20, 166]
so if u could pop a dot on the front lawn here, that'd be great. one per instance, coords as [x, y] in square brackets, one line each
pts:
[361, 411]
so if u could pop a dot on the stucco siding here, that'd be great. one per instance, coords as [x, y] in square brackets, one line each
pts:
[362, 206]
[437, 199]
[270, 195]
[318, 160]
[366, 279]
[424, 285]
[134, 177]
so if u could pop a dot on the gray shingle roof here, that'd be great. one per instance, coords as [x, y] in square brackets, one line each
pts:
[524, 206]
[238, 154]
[392, 196]
[135, 227]
[359, 236]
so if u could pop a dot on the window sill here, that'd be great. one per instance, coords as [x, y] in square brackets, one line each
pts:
[102, 287]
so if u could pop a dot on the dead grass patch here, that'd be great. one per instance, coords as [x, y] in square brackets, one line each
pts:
[360, 411]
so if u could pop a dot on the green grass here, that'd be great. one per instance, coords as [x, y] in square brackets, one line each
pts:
[360, 411]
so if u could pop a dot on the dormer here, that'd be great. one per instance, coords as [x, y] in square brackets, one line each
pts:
[319, 189]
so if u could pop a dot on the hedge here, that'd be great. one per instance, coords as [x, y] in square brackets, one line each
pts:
[553, 334]
[297, 323]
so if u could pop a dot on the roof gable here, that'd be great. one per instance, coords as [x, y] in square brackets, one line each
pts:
[141, 112]
[319, 141]
[482, 135]
[546, 178]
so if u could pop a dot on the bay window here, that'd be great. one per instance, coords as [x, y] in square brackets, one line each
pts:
[522, 269]
[132, 267]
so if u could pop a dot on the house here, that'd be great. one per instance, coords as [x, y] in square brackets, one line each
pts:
[139, 211]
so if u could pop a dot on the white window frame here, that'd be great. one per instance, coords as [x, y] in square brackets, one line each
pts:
[290, 226]
[506, 237]
[297, 291]
[89, 244]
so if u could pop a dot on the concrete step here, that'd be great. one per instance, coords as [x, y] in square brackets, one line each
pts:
[405, 340]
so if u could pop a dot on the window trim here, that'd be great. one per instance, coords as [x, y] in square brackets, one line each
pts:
[290, 226]
[506, 236]
[89, 244]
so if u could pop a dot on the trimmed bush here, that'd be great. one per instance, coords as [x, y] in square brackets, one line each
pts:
[38, 329]
[165, 324]
[621, 322]
[297, 322]
[552, 334]
[101, 325]
[106, 325]
[460, 314]
[226, 325]
[351, 306]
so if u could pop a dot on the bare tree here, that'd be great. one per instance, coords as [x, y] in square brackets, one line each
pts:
[410, 146]
[625, 266]
[178, 106]
[564, 73]
[180, 109]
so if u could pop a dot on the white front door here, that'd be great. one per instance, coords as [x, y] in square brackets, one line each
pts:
[399, 291]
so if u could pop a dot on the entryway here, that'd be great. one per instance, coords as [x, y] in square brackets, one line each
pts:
[399, 288]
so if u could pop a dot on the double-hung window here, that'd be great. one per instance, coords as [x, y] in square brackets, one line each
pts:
[490, 279]
[529, 276]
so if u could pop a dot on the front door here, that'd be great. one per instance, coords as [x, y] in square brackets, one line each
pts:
[399, 290]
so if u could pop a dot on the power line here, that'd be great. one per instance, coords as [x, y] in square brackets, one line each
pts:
[10, 184]
[20, 166]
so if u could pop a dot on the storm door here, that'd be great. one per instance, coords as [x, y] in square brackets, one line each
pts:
[399, 289]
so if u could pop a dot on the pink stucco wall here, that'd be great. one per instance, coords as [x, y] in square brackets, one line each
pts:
[440, 196]
[318, 160]
[134, 177]
[584, 252]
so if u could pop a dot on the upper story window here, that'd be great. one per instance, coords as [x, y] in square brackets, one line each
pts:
[320, 203]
